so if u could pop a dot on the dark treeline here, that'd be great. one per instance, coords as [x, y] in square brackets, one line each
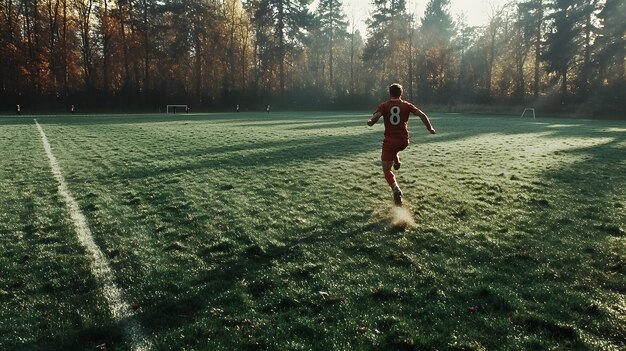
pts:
[212, 54]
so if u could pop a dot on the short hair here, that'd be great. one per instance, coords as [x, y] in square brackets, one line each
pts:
[395, 90]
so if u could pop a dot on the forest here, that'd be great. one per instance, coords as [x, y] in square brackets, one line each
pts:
[561, 56]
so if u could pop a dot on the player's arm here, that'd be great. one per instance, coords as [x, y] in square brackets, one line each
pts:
[419, 113]
[374, 118]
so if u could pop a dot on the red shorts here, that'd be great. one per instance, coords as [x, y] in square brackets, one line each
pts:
[391, 147]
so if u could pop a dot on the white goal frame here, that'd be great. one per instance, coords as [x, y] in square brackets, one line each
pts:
[174, 107]
[528, 109]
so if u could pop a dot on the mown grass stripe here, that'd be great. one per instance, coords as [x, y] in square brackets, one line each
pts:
[120, 309]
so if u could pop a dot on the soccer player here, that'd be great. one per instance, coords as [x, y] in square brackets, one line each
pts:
[395, 113]
[18, 109]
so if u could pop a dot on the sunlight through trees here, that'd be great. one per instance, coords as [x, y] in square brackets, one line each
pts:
[214, 54]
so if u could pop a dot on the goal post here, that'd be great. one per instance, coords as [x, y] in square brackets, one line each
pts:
[176, 108]
[528, 109]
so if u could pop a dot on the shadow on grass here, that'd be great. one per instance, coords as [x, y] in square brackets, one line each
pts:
[550, 311]
[283, 152]
[247, 119]
[242, 269]
[544, 258]
[331, 145]
[566, 261]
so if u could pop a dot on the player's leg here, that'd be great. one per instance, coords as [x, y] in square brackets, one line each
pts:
[389, 176]
[388, 158]
[396, 162]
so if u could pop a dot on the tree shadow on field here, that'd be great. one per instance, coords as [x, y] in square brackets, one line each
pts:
[601, 168]
[259, 154]
[328, 143]
[564, 248]
[109, 119]
[598, 178]
[217, 292]
[245, 118]
[215, 295]
[581, 216]
[234, 270]
[331, 125]
[238, 273]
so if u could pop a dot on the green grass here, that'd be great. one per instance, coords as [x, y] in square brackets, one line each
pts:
[256, 231]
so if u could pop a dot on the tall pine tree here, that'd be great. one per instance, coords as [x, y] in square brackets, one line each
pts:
[333, 29]
[285, 23]
[437, 30]
[611, 43]
[531, 21]
[561, 44]
[386, 52]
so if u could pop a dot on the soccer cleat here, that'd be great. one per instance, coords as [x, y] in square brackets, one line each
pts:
[397, 196]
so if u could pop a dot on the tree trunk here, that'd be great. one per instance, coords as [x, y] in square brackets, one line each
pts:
[411, 32]
[64, 69]
[106, 47]
[490, 60]
[198, 64]
[146, 48]
[281, 46]
[586, 67]
[536, 86]
[330, 59]
[53, 18]
[352, 59]
[564, 83]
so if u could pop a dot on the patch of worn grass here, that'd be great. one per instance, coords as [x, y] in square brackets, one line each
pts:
[251, 231]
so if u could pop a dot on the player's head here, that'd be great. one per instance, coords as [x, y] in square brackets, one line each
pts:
[395, 90]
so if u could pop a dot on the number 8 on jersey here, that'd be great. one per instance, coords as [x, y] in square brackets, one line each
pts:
[395, 118]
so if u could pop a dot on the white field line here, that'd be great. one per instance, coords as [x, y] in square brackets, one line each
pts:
[120, 310]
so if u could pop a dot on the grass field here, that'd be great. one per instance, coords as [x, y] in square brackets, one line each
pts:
[276, 232]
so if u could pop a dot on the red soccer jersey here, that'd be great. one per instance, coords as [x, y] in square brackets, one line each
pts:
[396, 117]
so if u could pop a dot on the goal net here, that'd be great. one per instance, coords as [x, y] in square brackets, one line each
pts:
[530, 111]
[176, 108]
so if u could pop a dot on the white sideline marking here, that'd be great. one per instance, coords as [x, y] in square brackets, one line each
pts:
[120, 310]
